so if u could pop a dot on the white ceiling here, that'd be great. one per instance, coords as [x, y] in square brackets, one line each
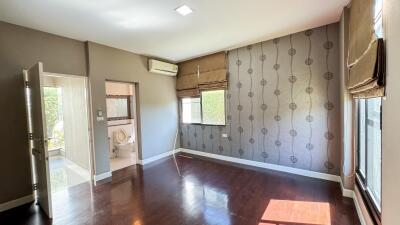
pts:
[153, 28]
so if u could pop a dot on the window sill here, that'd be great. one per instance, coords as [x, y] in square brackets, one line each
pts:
[368, 202]
[204, 124]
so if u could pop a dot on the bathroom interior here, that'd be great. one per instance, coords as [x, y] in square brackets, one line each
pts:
[122, 126]
[66, 112]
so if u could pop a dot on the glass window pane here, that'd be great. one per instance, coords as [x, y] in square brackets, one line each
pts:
[378, 26]
[361, 137]
[117, 107]
[213, 106]
[54, 117]
[374, 148]
[191, 110]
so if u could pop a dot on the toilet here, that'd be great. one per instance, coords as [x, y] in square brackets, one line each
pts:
[123, 143]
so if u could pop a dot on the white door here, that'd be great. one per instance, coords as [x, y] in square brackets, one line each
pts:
[38, 135]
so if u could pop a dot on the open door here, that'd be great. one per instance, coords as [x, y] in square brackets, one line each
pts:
[38, 136]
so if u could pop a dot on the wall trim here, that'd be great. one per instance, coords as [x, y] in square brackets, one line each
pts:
[346, 192]
[16, 202]
[358, 209]
[155, 158]
[102, 176]
[352, 194]
[307, 173]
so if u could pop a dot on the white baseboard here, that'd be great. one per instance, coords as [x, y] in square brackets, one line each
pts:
[358, 209]
[155, 158]
[17, 202]
[286, 169]
[346, 192]
[102, 176]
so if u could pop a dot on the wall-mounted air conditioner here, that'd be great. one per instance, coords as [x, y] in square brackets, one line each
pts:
[164, 68]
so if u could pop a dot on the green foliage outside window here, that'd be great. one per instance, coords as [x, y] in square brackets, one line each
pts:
[52, 103]
[213, 107]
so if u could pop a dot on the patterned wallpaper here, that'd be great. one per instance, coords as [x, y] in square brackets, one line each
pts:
[282, 104]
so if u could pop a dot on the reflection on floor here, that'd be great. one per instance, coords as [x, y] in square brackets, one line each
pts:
[119, 162]
[64, 173]
[206, 193]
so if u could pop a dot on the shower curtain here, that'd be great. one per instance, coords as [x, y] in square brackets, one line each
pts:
[75, 116]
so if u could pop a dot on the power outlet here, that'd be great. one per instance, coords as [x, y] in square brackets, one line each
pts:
[224, 135]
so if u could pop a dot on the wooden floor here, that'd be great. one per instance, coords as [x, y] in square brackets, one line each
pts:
[207, 193]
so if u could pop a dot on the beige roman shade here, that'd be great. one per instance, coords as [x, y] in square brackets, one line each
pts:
[366, 56]
[201, 74]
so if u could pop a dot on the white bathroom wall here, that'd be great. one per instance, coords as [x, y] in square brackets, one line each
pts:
[75, 117]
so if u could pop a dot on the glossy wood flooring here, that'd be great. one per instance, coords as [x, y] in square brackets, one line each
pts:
[207, 193]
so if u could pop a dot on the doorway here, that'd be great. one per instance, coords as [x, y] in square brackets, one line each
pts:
[121, 102]
[58, 133]
[65, 102]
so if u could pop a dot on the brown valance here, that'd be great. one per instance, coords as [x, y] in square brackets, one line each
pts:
[361, 29]
[367, 76]
[204, 73]
[366, 56]
[188, 93]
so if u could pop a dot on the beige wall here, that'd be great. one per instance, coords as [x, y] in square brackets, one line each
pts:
[391, 119]
[346, 106]
[157, 99]
[21, 48]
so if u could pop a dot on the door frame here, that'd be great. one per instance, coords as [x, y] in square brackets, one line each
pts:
[86, 79]
[136, 116]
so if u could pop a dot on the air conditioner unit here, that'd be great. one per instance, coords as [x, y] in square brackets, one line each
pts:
[164, 68]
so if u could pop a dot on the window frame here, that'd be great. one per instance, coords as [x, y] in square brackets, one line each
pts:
[201, 110]
[361, 181]
[181, 110]
[128, 98]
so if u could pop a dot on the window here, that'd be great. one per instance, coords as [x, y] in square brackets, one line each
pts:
[191, 110]
[209, 109]
[378, 26]
[369, 151]
[213, 107]
[118, 107]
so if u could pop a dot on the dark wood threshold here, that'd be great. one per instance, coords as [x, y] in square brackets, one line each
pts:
[368, 202]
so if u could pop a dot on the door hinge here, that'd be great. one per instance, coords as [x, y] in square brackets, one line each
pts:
[35, 186]
[27, 84]
[30, 136]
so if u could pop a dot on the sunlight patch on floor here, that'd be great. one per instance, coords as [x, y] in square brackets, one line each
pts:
[279, 212]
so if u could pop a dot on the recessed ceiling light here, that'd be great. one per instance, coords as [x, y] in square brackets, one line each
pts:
[184, 10]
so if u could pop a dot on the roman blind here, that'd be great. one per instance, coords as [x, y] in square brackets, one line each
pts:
[201, 74]
[366, 56]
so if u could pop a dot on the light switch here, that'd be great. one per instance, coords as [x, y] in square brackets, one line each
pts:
[99, 112]
[224, 135]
